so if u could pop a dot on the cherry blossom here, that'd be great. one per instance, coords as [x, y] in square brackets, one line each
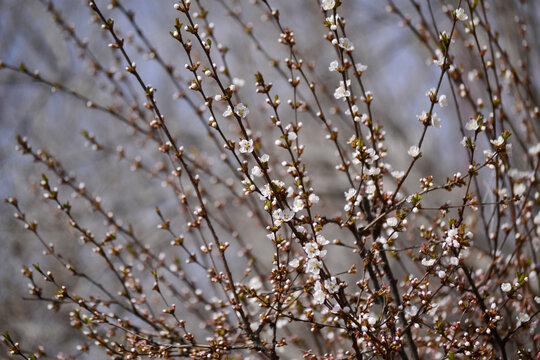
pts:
[246, 146]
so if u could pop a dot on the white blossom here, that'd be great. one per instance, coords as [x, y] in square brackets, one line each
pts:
[523, 317]
[328, 4]
[519, 189]
[373, 171]
[256, 171]
[536, 219]
[241, 110]
[443, 102]
[414, 151]
[228, 112]
[291, 136]
[460, 15]
[439, 57]
[371, 188]
[314, 199]
[472, 125]
[355, 159]
[428, 262]
[411, 311]
[298, 204]
[314, 266]
[354, 110]
[364, 118]
[436, 120]
[422, 117]
[290, 191]
[346, 44]
[312, 249]
[238, 82]
[301, 229]
[350, 194]
[497, 142]
[341, 91]
[331, 285]
[246, 146]
[318, 294]
[361, 67]
[451, 238]
[535, 150]
[372, 156]
[294, 263]
[276, 215]
[506, 287]
[473, 75]
[489, 154]
[287, 215]
[321, 240]
[398, 174]
[266, 193]
[333, 21]
[334, 66]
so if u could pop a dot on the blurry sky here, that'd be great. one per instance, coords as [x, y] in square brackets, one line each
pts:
[399, 74]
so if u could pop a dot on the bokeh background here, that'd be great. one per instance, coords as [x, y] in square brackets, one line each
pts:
[399, 73]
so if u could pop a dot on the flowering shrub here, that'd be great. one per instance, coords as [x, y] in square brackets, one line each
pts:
[329, 227]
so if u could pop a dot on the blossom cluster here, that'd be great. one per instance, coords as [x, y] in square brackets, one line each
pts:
[310, 214]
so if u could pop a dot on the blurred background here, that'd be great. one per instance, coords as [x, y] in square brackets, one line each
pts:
[400, 71]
